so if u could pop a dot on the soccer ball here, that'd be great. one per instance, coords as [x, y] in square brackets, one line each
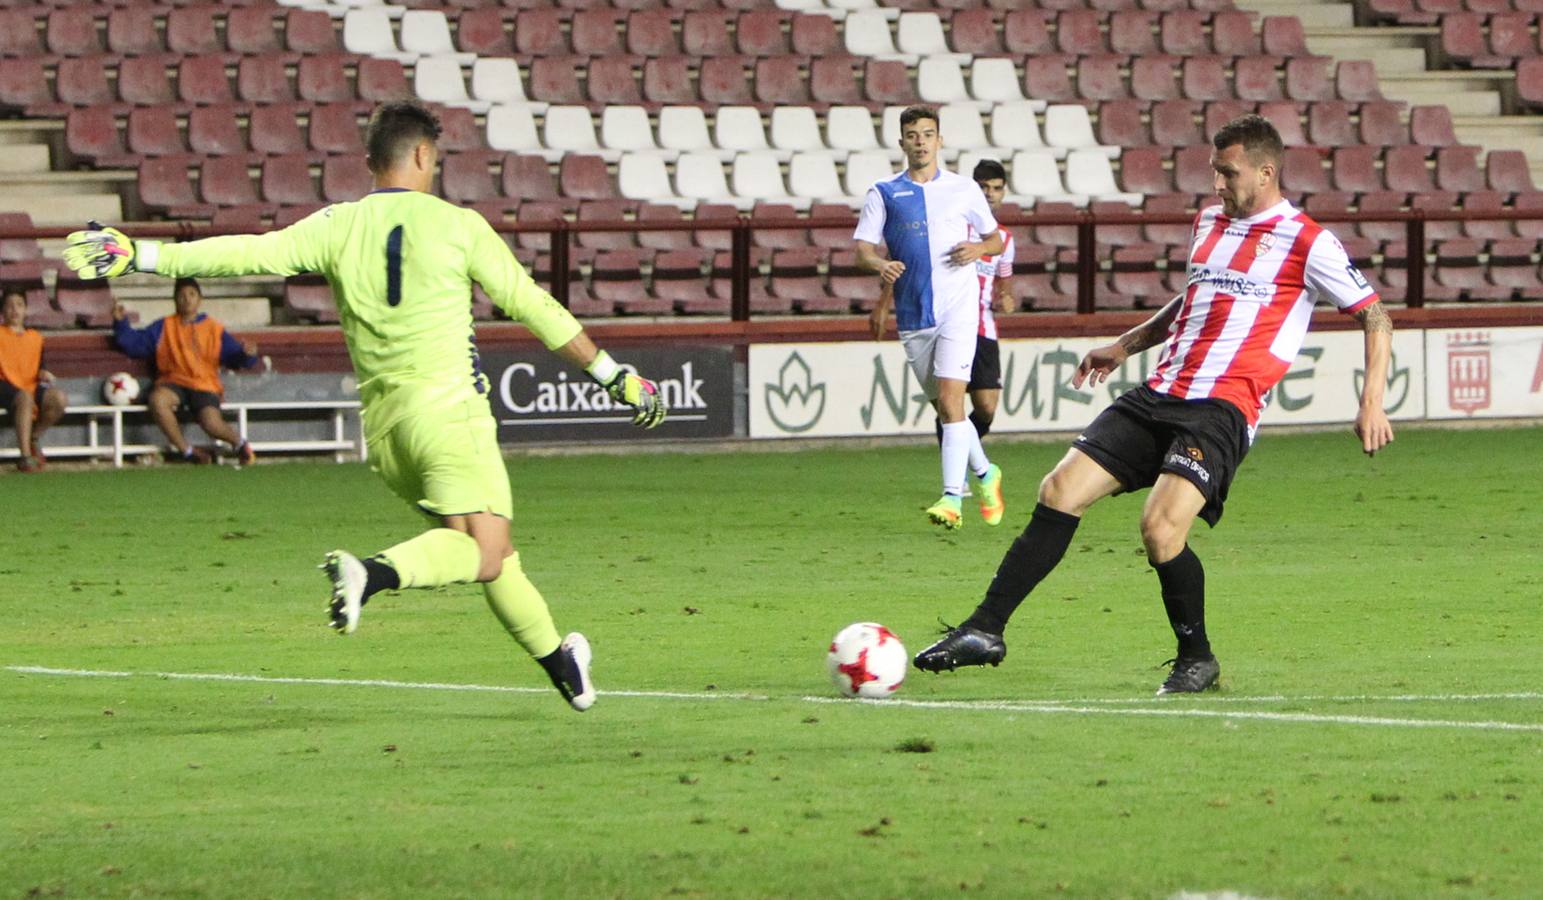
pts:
[866, 660]
[120, 389]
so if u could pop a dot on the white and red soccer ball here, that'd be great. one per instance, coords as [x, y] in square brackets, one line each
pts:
[867, 660]
[120, 389]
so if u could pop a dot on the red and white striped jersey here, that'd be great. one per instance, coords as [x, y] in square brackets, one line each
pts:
[1252, 286]
[987, 270]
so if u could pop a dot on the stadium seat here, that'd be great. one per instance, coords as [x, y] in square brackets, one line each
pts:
[1135, 281]
[650, 32]
[921, 34]
[1193, 174]
[1355, 81]
[322, 79]
[1232, 34]
[1355, 169]
[70, 31]
[1404, 170]
[309, 33]
[481, 31]
[1153, 78]
[1026, 32]
[778, 82]
[962, 128]
[864, 168]
[216, 131]
[527, 177]
[1088, 173]
[19, 37]
[1183, 33]
[668, 80]
[795, 279]
[92, 133]
[677, 281]
[974, 31]
[1531, 229]
[1485, 229]
[767, 213]
[1205, 78]
[795, 130]
[1511, 270]
[570, 129]
[720, 238]
[467, 178]
[626, 129]
[131, 31]
[814, 36]
[1142, 171]
[709, 32]
[1034, 178]
[164, 187]
[1529, 83]
[762, 302]
[1308, 79]
[1112, 235]
[1457, 169]
[1508, 170]
[367, 32]
[1438, 202]
[334, 128]
[662, 212]
[543, 214]
[286, 180]
[887, 82]
[857, 287]
[308, 298]
[552, 81]
[201, 81]
[850, 128]
[262, 79]
[756, 33]
[190, 31]
[153, 131]
[699, 176]
[725, 81]
[382, 80]
[1077, 32]
[739, 128]
[1256, 79]
[1283, 115]
[90, 303]
[345, 178]
[1431, 126]
[1510, 36]
[1099, 77]
[1381, 202]
[1302, 172]
[24, 88]
[498, 81]
[1033, 282]
[684, 129]
[593, 33]
[757, 175]
[225, 181]
[584, 176]
[1014, 125]
[995, 81]
[832, 81]
[1132, 32]
[1174, 124]
[1067, 128]
[644, 176]
[606, 210]
[275, 131]
[1282, 36]
[142, 81]
[867, 35]
[439, 79]
[539, 33]
[1382, 123]
[1045, 79]
[831, 238]
[1329, 125]
[1172, 235]
[616, 282]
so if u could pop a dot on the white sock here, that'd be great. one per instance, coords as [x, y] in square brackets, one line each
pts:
[956, 453]
[978, 461]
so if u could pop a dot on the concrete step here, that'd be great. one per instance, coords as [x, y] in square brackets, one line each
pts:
[1313, 15]
[30, 131]
[50, 209]
[1524, 133]
[25, 158]
[233, 312]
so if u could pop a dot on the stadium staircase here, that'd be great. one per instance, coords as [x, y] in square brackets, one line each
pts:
[246, 115]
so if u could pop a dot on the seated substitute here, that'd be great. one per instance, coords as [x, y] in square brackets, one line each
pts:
[26, 388]
[188, 348]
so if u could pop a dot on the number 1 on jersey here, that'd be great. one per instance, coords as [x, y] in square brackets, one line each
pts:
[394, 266]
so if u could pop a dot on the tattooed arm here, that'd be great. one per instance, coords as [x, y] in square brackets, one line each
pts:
[1371, 422]
[1102, 361]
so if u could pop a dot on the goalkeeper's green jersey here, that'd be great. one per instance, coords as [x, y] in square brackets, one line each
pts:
[401, 264]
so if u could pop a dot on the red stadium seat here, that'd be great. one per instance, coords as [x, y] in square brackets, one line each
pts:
[1232, 34]
[1026, 32]
[1099, 78]
[1302, 171]
[1431, 126]
[89, 302]
[275, 131]
[1120, 124]
[322, 79]
[832, 80]
[1283, 115]
[83, 82]
[1152, 78]
[1177, 235]
[190, 31]
[1055, 235]
[584, 177]
[262, 79]
[795, 280]
[1193, 174]
[617, 283]
[1033, 282]
[887, 82]
[1257, 80]
[664, 240]
[1134, 278]
[1382, 123]
[1404, 169]
[93, 133]
[1512, 271]
[1132, 32]
[225, 181]
[974, 31]
[1457, 169]
[593, 33]
[815, 36]
[1077, 33]
[1283, 36]
[249, 31]
[19, 36]
[1183, 34]
[1510, 36]
[309, 33]
[724, 80]
[777, 238]
[1355, 169]
[382, 80]
[830, 238]
[214, 131]
[1329, 125]
[1142, 172]
[164, 186]
[611, 83]
[201, 81]
[308, 298]
[24, 88]
[1529, 83]
[539, 33]
[468, 177]
[1508, 170]
[1219, 112]
[70, 32]
[761, 300]
[1308, 80]
[481, 31]
[1485, 229]
[1379, 202]
[1463, 41]
[131, 31]
[153, 131]
[759, 33]
[707, 32]
[678, 281]
[345, 178]
[1531, 229]
[610, 210]
[538, 212]
[1438, 201]
[1459, 274]
[651, 33]
[1174, 124]
[858, 287]
[286, 180]
[1115, 235]
[778, 82]
[667, 80]
[1045, 78]
[334, 128]
[1205, 78]
[714, 238]
[528, 178]
[1355, 81]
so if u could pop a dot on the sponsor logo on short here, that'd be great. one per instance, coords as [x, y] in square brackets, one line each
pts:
[1182, 461]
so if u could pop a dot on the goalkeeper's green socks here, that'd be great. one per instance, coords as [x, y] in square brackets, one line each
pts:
[436, 557]
[519, 606]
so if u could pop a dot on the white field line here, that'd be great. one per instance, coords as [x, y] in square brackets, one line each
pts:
[1048, 707]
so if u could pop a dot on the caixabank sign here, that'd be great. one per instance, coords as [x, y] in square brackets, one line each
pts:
[866, 388]
[539, 397]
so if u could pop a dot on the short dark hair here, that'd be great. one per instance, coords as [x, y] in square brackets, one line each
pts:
[1259, 138]
[395, 128]
[914, 113]
[987, 170]
[9, 289]
[186, 281]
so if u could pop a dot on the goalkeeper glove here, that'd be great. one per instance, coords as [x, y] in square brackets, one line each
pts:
[102, 252]
[634, 390]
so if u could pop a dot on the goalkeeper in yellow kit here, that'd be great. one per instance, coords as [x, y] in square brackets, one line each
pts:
[401, 263]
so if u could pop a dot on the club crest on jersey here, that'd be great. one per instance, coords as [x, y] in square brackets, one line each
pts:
[1266, 241]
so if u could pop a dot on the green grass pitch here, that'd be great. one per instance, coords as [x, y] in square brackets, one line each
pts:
[1379, 732]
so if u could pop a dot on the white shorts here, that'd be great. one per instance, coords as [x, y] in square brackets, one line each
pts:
[946, 350]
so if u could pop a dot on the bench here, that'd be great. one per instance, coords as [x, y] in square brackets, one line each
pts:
[105, 440]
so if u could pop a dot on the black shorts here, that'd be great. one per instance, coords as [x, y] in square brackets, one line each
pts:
[986, 371]
[9, 392]
[1144, 433]
[192, 401]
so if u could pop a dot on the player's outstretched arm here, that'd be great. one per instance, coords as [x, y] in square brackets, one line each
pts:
[621, 385]
[1101, 362]
[1371, 421]
[105, 252]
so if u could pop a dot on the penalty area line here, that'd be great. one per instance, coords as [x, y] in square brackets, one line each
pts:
[1072, 708]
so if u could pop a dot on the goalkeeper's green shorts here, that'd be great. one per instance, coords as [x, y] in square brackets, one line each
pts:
[446, 461]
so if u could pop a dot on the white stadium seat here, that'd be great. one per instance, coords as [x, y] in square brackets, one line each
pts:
[1067, 127]
[512, 128]
[850, 128]
[867, 34]
[571, 130]
[1013, 125]
[684, 130]
[942, 81]
[643, 176]
[499, 80]
[921, 33]
[796, 129]
[962, 128]
[846, 8]
[438, 79]
[1034, 175]
[996, 81]
[812, 177]
[739, 128]
[863, 169]
[368, 33]
[699, 177]
[1088, 172]
[757, 175]
[427, 33]
[625, 129]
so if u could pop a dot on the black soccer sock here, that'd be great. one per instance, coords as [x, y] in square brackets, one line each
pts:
[1032, 556]
[937, 427]
[553, 664]
[1183, 581]
[982, 423]
[378, 576]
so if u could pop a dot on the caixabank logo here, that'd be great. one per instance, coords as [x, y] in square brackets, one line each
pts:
[540, 397]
